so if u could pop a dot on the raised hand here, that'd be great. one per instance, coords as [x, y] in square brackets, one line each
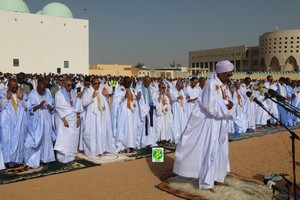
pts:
[105, 92]
[8, 94]
[20, 94]
[94, 94]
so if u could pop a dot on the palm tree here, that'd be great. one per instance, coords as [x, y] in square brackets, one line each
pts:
[173, 64]
[139, 65]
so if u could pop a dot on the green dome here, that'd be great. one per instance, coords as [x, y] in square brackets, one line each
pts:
[14, 5]
[57, 10]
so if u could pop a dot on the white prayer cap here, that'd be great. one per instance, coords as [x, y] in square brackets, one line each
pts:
[224, 66]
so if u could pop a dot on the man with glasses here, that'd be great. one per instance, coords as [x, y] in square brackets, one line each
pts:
[164, 114]
[97, 134]
[13, 123]
[203, 149]
[67, 121]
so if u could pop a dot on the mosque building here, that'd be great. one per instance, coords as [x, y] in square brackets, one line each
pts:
[49, 41]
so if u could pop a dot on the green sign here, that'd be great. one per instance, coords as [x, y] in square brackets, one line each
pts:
[157, 154]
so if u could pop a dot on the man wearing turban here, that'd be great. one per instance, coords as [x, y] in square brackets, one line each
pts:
[202, 151]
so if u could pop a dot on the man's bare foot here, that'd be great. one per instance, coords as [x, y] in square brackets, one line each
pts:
[220, 184]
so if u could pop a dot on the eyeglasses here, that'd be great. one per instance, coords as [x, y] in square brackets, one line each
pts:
[69, 85]
[96, 83]
[163, 88]
[60, 80]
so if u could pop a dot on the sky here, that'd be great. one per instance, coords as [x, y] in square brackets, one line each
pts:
[158, 32]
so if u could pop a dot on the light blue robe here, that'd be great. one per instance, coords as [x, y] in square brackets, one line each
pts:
[39, 141]
[14, 129]
[284, 116]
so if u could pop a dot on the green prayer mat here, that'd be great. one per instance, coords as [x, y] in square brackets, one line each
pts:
[23, 172]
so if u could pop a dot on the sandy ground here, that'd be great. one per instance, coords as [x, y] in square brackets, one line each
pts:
[251, 158]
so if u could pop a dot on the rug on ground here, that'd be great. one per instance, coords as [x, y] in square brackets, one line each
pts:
[82, 161]
[23, 172]
[260, 132]
[235, 188]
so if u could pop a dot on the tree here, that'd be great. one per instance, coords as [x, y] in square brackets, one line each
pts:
[173, 64]
[139, 65]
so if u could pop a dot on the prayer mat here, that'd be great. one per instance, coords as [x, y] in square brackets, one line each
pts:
[107, 158]
[236, 188]
[23, 172]
[120, 157]
[259, 132]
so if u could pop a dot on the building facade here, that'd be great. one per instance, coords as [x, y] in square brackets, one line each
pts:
[113, 70]
[277, 51]
[50, 41]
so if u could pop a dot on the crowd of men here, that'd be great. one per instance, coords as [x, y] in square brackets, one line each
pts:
[51, 117]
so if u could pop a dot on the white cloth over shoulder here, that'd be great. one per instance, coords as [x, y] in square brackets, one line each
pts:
[202, 151]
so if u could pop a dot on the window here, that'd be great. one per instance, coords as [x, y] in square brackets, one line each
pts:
[66, 64]
[16, 63]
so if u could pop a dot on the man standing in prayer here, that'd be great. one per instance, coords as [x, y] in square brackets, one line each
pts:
[202, 151]
[192, 92]
[40, 137]
[249, 106]
[179, 110]
[13, 123]
[125, 117]
[164, 114]
[269, 84]
[26, 87]
[146, 127]
[97, 135]
[67, 121]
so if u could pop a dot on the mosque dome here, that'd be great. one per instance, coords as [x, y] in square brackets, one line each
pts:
[14, 5]
[57, 10]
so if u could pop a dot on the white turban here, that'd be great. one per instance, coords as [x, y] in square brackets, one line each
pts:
[224, 66]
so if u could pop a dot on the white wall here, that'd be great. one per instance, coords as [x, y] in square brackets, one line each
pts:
[43, 43]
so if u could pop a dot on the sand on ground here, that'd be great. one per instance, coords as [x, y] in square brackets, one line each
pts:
[252, 158]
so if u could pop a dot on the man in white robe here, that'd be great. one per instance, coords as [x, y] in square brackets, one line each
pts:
[39, 140]
[249, 107]
[240, 123]
[192, 92]
[179, 111]
[283, 114]
[270, 84]
[13, 123]
[67, 122]
[164, 114]
[203, 149]
[146, 128]
[125, 117]
[97, 135]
